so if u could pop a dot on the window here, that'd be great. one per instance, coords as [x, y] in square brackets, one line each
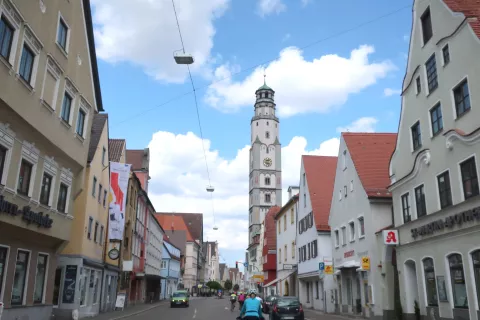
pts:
[267, 135]
[352, 230]
[432, 80]
[304, 179]
[469, 178]
[476, 272]
[94, 186]
[267, 181]
[461, 96]
[19, 279]
[105, 197]
[420, 201]
[293, 250]
[285, 253]
[95, 233]
[267, 198]
[24, 177]
[292, 216]
[340, 194]
[446, 55]
[81, 122]
[3, 263]
[285, 222]
[279, 227]
[40, 278]
[304, 200]
[101, 235]
[26, 64]
[436, 119]
[100, 189]
[89, 230]
[419, 85]
[46, 188]
[164, 264]
[66, 107]
[430, 282]
[444, 189]
[457, 277]
[416, 136]
[406, 208]
[83, 286]
[316, 290]
[351, 186]
[6, 38]
[361, 225]
[344, 159]
[280, 255]
[62, 198]
[104, 155]
[3, 157]
[427, 30]
[345, 190]
[337, 239]
[344, 236]
[62, 34]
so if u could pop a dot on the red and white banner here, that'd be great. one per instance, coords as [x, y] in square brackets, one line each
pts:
[119, 175]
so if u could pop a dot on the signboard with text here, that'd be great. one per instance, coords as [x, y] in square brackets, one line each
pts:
[390, 237]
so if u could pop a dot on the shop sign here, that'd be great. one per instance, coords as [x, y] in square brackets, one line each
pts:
[390, 237]
[349, 254]
[467, 216]
[27, 215]
[366, 263]
[328, 269]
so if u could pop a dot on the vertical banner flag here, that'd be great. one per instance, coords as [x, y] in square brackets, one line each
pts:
[119, 175]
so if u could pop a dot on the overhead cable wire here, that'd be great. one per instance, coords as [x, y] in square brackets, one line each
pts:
[336, 35]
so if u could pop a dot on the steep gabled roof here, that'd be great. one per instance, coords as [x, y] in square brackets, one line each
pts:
[270, 232]
[470, 8]
[98, 124]
[371, 153]
[193, 221]
[115, 149]
[136, 157]
[320, 174]
[172, 223]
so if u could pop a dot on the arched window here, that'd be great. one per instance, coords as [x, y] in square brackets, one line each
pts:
[476, 272]
[267, 181]
[430, 282]
[267, 135]
[457, 276]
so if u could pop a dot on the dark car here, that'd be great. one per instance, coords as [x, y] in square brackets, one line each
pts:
[268, 303]
[287, 308]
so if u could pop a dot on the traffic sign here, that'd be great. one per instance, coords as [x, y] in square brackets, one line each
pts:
[328, 269]
[245, 264]
[321, 266]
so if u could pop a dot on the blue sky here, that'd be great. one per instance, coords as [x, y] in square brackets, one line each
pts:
[315, 100]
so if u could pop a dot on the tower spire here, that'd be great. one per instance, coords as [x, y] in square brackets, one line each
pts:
[264, 76]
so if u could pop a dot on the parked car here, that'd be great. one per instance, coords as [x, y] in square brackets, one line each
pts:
[287, 308]
[268, 303]
[179, 298]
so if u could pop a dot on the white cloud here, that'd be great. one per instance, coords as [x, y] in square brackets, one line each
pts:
[388, 92]
[179, 179]
[364, 124]
[286, 37]
[305, 2]
[302, 86]
[406, 37]
[267, 7]
[137, 33]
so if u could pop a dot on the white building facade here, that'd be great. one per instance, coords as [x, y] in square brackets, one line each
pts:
[265, 180]
[434, 170]
[286, 221]
[361, 208]
[317, 175]
[190, 276]
[153, 259]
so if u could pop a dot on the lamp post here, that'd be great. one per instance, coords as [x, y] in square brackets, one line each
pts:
[182, 57]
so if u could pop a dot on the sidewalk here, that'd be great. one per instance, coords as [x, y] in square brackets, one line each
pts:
[130, 311]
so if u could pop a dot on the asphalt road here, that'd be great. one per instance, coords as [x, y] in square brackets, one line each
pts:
[208, 309]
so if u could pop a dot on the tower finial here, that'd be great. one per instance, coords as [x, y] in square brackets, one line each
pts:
[264, 76]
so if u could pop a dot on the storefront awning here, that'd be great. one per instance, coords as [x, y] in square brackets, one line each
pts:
[279, 279]
[349, 264]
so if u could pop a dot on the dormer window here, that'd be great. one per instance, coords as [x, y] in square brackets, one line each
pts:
[427, 30]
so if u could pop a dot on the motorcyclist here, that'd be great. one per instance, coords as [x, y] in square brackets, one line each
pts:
[252, 308]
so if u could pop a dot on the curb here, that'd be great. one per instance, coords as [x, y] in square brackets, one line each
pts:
[138, 312]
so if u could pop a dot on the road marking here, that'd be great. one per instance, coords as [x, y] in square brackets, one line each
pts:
[195, 313]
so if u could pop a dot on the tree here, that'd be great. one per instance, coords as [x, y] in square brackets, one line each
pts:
[236, 287]
[228, 285]
[214, 285]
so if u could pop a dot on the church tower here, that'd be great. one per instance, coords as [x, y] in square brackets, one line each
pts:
[265, 187]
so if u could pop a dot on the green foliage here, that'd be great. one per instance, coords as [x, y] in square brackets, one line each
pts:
[214, 285]
[228, 285]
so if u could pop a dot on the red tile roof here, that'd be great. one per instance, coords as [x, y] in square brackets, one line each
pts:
[172, 222]
[136, 157]
[470, 8]
[270, 232]
[193, 221]
[320, 174]
[371, 153]
[115, 149]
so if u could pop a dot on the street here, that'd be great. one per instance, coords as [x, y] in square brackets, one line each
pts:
[206, 309]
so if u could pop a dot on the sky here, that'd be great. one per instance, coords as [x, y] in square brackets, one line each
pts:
[334, 65]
